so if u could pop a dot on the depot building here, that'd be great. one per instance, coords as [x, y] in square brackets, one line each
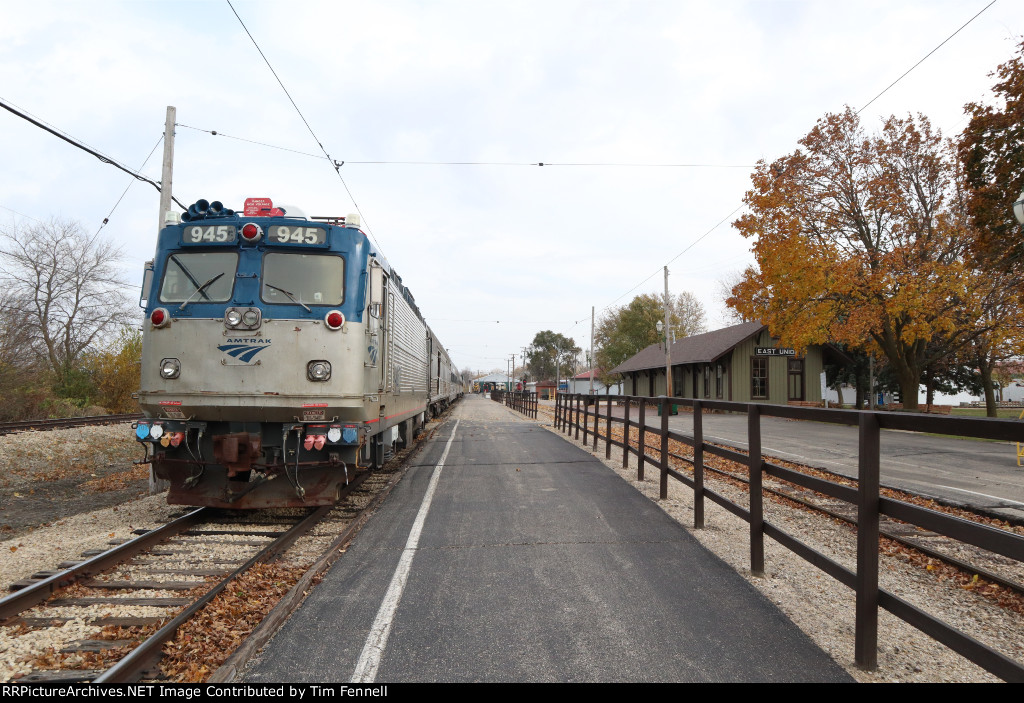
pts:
[740, 363]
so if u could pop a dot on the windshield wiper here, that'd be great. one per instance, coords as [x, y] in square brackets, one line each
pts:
[191, 278]
[200, 289]
[290, 296]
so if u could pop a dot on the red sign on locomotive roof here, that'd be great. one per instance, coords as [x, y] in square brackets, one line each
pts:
[261, 207]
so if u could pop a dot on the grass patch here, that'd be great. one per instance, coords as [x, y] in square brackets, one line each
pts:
[1002, 413]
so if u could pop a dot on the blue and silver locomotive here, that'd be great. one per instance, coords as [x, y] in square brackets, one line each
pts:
[281, 354]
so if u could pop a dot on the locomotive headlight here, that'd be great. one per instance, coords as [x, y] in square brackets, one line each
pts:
[170, 368]
[318, 370]
[232, 317]
[251, 317]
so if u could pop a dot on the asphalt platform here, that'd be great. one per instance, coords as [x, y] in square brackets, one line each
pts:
[531, 561]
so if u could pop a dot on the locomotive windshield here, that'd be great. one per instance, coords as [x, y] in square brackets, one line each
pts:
[199, 277]
[316, 279]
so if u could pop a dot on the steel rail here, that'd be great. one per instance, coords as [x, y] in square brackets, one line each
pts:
[35, 594]
[139, 660]
[63, 422]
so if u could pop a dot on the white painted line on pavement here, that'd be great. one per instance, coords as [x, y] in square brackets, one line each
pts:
[373, 650]
[986, 495]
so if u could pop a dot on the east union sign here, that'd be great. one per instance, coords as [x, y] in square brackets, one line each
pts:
[773, 351]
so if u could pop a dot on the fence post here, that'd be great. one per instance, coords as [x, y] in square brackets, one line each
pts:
[756, 501]
[608, 431]
[642, 445]
[586, 420]
[664, 406]
[625, 434]
[576, 422]
[698, 465]
[597, 418]
[558, 409]
[866, 638]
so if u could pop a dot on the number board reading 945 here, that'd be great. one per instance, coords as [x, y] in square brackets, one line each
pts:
[284, 234]
[206, 234]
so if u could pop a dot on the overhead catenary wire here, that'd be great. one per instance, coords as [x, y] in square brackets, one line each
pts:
[81, 145]
[335, 164]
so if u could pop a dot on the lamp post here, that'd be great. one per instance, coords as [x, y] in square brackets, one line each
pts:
[663, 331]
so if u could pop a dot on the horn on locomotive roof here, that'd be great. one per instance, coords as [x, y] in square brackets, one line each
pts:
[203, 209]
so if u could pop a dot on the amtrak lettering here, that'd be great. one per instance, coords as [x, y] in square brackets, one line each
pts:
[244, 349]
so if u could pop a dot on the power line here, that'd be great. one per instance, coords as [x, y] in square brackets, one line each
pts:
[77, 143]
[730, 215]
[21, 213]
[218, 133]
[926, 56]
[336, 164]
[107, 218]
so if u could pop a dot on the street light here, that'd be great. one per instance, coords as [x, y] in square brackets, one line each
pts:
[668, 358]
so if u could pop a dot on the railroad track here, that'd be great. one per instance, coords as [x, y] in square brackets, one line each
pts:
[150, 587]
[59, 423]
[1005, 572]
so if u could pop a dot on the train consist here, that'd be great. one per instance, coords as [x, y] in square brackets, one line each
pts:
[281, 354]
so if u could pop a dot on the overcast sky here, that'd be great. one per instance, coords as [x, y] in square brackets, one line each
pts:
[493, 253]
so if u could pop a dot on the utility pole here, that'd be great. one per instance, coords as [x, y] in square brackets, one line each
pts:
[157, 485]
[166, 190]
[591, 350]
[668, 353]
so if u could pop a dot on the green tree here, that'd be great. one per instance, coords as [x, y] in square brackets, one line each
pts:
[626, 330]
[551, 354]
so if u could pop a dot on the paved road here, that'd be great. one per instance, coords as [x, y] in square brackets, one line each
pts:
[535, 563]
[981, 475]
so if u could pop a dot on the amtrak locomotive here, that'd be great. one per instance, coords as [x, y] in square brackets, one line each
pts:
[281, 354]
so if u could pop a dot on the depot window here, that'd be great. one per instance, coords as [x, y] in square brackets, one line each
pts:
[303, 279]
[759, 377]
[199, 277]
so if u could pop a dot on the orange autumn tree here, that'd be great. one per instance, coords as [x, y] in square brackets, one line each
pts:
[861, 239]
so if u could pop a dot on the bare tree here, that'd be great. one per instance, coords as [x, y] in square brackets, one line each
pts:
[18, 340]
[68, 287]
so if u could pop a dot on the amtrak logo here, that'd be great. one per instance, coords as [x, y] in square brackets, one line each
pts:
[244, 350]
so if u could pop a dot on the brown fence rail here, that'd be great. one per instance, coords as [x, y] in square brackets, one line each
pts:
[522, 401]
[576, 412]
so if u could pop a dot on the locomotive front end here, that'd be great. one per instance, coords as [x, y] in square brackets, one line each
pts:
[254, 372]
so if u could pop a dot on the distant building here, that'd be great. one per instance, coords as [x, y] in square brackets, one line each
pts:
[493, 380]
[740, 363]
[580, 383]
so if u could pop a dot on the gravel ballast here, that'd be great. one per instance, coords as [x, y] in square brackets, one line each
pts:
[819, 605]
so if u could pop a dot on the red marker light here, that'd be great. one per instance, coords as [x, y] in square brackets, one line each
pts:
[160, 317]
[334, 319]
[251, 231]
